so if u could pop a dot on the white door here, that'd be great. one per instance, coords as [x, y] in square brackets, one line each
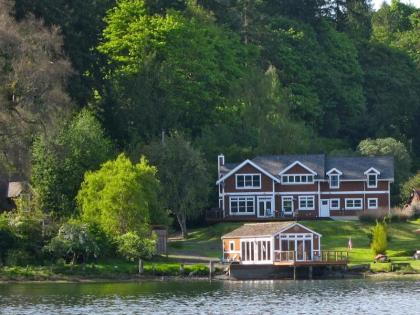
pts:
[324, 210]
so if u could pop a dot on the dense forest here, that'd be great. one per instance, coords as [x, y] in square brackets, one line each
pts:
[81, 81]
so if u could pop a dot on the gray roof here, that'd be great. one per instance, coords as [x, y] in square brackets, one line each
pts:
[258, 229]
[355, 167]
[351, 167]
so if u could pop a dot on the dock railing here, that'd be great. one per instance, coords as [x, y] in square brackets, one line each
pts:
[316, 255]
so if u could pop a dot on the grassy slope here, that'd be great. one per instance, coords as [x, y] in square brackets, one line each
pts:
[335, 235]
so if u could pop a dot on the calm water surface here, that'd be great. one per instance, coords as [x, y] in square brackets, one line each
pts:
[201, 297]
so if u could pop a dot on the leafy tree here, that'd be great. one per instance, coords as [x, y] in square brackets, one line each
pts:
[379, 243]
[389, 146]
[7, 237]
[60, 161]
[402, 160]
[132, 246]
[81, 23]
[183, 176]
[167, 71]
[74, 242]
[120, 196]
[33, 77]
[412, 183]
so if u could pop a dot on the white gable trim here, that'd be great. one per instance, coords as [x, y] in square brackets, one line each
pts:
[297, 163]
[334, 170]
[298, 224]
[242, 165]
[372, 170]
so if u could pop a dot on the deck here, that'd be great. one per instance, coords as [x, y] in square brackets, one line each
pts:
[318, 258]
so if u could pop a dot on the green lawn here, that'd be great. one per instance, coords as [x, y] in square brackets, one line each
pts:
[335, 235]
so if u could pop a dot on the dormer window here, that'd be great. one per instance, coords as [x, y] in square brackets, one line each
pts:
[372, 180]
[372, 177]
[334, 178]
[334, 181]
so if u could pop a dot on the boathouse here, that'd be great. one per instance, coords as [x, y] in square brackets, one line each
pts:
[273, 245]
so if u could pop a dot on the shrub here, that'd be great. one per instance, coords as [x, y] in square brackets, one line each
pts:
[19, 257]
[74, 241]
[405, 214]
[370, 216]
[379, 243]
[132, 246]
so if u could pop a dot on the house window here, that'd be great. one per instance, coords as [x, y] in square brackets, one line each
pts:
[354, 204]
[242, 205]
[220, 203]
[335, 204]
[287, 205]
[334, 181]
[231, 246]
[297, 179]
[306, 202]
[372, 203]
[372, 180]
[244, 181]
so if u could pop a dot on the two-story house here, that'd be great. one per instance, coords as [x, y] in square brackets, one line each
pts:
[303, 186]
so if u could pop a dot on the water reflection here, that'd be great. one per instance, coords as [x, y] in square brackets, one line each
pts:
[201, 297]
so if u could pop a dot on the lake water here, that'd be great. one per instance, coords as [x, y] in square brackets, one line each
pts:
[202, 297]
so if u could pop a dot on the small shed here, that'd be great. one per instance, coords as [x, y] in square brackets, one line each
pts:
[271, 243]
[162, 238]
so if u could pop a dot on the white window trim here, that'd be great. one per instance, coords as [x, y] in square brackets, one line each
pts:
[287, 198]
[306, 198]
[246, 201]
[338, 181]
[230, 246]
[335, 208]
[247, 187]
[376, 180]
[376, 201]
[299, 183]
[353, 208]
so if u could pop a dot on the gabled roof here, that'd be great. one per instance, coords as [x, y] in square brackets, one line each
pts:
[334, 171]
[355, 167]
[297, 163]
[238, 167]
[265, 229]
[352, 168]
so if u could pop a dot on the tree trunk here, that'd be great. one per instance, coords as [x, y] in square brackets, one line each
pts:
[141, 267]
[182, 220]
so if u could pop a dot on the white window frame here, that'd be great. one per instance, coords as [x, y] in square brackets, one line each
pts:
[287, 198]
[230, 246]
[306, 198]
[242, 198]
[376, 180]
[248, 187]
[338, 181]
[338, 201]
[295, 176]
[376, 203]
[352, 207]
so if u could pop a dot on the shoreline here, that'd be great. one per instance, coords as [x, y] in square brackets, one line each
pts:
[217, 277]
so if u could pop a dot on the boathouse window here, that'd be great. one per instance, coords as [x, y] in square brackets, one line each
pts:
[372, 203]
[354, 204]
[244, 181]
[242, 205]
[231, 246]
[306, 202]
